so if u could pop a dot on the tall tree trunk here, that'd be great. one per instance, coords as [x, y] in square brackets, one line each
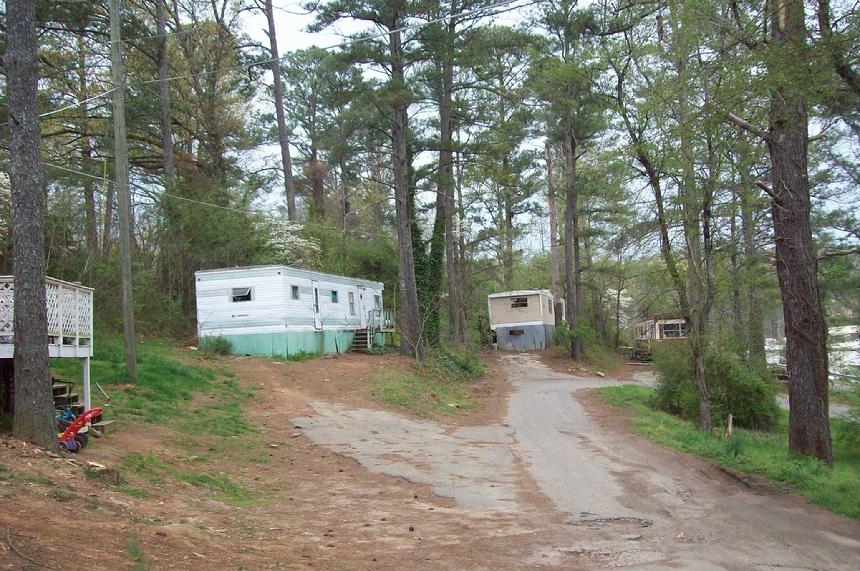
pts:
[738, 321]
[460, 261]
[283, 133]
[695, 205]
[445, 186]
[410, 317]
[316, 175]
[88, 183]
[754, 317]
[796, 260]
[507, 237]
[34, 414]
[553, 236]
[573, 293]
[164, 100]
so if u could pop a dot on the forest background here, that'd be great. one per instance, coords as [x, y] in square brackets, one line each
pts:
[611, 151]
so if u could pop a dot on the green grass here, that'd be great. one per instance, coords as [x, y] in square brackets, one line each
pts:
[135, 552]
[440, 385]
[157, 471]
[765, 454]
[138, 493]
[165, 389]
[603, 359]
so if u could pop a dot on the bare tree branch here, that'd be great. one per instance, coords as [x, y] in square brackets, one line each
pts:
[837, 253]
[747, 126]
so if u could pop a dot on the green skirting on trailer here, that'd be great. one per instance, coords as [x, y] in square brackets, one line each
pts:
[287, 344]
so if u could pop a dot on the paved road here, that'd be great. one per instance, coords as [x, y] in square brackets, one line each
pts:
[599, 495]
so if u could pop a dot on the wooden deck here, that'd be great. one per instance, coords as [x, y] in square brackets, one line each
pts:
[70, 318]
[70, 323]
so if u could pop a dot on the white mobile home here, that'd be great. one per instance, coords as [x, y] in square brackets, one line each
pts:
[283, 311]
[522, 319]
[659, 328]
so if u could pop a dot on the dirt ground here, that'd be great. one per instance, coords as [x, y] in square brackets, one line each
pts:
[316, 509]
[312, 508]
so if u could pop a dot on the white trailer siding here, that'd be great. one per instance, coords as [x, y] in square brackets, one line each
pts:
[277, 310]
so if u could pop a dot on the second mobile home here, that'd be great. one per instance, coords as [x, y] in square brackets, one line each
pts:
[284, 311]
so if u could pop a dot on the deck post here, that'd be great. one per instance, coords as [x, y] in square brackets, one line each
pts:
[85, 366]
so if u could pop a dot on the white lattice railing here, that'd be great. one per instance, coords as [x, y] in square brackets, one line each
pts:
[70, 313]
[381, 320]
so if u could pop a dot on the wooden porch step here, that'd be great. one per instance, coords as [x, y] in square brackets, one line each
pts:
[61, 388]
[66, 400]
[360, 341]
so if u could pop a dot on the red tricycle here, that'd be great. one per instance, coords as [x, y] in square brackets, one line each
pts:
[71, 439]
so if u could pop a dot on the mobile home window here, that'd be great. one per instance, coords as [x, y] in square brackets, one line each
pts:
[549, 306]
[294, 292]
[351, 303]
[377, 301]
[241, 294]
[520, 302]
[516, 332]
[334, 296]
[674, 330]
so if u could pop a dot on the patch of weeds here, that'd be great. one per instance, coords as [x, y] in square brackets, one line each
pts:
[216, 346]
[133, 492]
[603, 359]
[197, 459]
[63, 494]
[299, 357]
[135, 552]
[456, 364]
[35, 479]
[225, 489]
[420, 394]
[156, 471]
[224, 418]
[753, 452]
[150, 467]
[107, 477]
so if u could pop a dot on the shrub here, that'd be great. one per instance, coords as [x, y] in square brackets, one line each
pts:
[456, 364]
[216, 345]
[733, 388]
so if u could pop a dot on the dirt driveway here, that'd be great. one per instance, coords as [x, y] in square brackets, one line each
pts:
[575, 491]
[543, 477]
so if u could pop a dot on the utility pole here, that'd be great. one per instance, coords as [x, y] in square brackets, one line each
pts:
[120, 144]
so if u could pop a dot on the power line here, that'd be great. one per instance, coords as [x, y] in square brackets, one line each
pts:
[78, 103]
[144, 192]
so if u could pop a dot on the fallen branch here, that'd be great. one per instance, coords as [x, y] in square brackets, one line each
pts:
[21, 555]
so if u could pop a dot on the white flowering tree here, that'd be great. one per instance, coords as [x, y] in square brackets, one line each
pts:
[286, 245]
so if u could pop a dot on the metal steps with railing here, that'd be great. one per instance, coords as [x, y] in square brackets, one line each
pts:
[378, 321]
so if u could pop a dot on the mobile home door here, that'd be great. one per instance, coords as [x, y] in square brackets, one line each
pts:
[315, 285]
[362, 312]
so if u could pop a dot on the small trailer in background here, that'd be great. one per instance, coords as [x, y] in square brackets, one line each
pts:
[279, 311]
[656, 329]
[522, 319]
